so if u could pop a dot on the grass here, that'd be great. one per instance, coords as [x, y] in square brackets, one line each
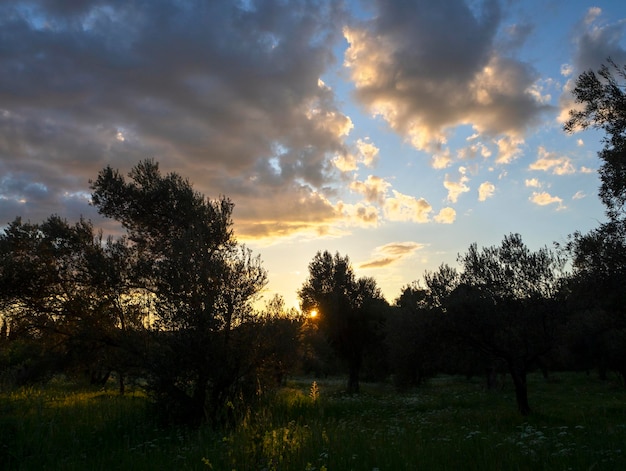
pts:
[579, 423]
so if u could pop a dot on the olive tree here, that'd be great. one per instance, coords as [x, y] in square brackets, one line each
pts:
[506, 306]
[348, 309]
[203, 284]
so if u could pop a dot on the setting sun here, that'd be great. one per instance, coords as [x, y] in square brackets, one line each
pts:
[313, 313]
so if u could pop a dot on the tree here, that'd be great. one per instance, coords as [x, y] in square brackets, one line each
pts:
[55, 289]
[347, 309]
[202, 285]
[506, 306]
[604, 101]
[598, 256]
[413, 337]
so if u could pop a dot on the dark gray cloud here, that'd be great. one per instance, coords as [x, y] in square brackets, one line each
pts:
[429, 66]
[213, 90]
[596, 41]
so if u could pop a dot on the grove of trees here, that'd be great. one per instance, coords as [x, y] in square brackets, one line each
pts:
[170, 303]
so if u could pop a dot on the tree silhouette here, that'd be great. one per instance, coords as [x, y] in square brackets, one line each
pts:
[348, 309]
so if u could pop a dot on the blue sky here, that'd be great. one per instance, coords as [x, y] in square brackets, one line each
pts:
[395, 132]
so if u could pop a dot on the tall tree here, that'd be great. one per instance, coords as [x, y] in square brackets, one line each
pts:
[598, 256]
[347, 309]
[201, 280]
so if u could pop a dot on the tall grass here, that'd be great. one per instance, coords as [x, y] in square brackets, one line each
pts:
[449, 423]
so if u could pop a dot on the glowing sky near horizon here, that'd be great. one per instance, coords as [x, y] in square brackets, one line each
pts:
[394, 132]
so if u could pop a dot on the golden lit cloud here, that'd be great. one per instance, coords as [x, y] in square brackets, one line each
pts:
[441, 159]
[446, 216]
[486, 190]
[509, 149]
[550, 161]
[402, 207]
[367, 151]
[532, 182]
[373, 189]
[543, 199]
[456, 188]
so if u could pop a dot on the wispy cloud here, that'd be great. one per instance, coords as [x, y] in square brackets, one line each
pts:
[391, 253]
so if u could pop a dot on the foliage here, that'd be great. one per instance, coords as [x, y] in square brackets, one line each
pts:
[350, 310]
[202, 283]
[599, 259]
[604, 100]
[60, 292]
[506, 306]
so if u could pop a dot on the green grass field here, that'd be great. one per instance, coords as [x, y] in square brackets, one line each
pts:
[579, 423]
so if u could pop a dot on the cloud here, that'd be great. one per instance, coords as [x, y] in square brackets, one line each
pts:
[543, 199]
[402, 207]
[594, 42]
[456, 188]
[427, 67]
[373, 189]
[550, 161]
[446, 216]
[509, 149]
[391, 253]
[225, 94]
[367, 151]
[532, 182]
[486, 190]
[579, 195]
[441, 159]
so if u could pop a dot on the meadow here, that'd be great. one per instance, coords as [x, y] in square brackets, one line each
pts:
[450, 423]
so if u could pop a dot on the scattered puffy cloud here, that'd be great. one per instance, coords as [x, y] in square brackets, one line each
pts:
[367, 151]
[551, 161]
[486, 190]
[373, 189]
[584, 169]
[566, 70]
[401, 207]
[509, 149]
[391, 253]
[441, 159]
[446, 216]
[579, 195]
[532, 182]
[456, 188]
[544, 198]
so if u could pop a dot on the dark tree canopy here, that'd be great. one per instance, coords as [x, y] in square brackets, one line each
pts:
[347, 308]
[506, 305]
[202, 282]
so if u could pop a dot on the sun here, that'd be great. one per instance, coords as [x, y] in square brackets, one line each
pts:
[313, 313]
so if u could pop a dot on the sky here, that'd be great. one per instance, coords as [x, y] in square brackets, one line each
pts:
[396, 132]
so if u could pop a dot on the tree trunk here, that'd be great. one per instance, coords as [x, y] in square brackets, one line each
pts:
[518, 373]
